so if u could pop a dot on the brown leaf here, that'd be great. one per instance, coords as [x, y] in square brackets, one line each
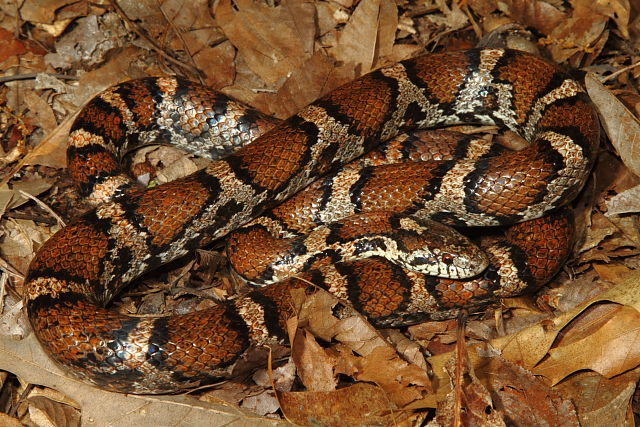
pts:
[532, 13]
[42, 11]
[618, 10]
[523, 398]
[9, 46]
[621, 126]
[45, 411]
[315, 364]
[531, 345]
[41, 112]
[601, 401]
[574, 35]
[359, 404]
[404, 382]
[272, 40]
[470, 403]
[387, 26]
[614, 347]
[357, 40]
[317, 76]
[217, 64]
[377, 361]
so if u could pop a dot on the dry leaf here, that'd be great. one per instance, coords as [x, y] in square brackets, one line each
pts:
[621, 126]
[377, 361]
[360, 404]
[44, 411]
[601, 401]
[532, 13]
[529, 346]
[626, 202]
[42, 11]
[523, 398]
[273, 40]
[315, 364]
[41, 112]
[613, 348]
[357, 41]
[469, 403]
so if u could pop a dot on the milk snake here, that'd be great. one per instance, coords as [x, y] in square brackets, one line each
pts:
[85, 264]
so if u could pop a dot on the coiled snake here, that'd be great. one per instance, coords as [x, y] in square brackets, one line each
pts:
[85, 264]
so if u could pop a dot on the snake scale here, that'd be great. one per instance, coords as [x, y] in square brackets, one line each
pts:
[131, 231]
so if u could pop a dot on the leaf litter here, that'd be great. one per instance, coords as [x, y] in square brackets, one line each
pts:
[567, 356]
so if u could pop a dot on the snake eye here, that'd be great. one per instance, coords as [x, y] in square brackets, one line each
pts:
[447, 259]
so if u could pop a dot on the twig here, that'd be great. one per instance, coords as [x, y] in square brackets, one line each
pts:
[35, 218]
[136, 29]
[27, 76]
[43, 206]
[184, 43]
[620, 71]
[460, 362]
[3, 287]
[13, 410]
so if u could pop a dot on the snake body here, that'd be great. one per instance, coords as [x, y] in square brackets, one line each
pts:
[80, 268]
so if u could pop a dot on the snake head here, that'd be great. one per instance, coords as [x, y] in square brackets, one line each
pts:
[439, 250]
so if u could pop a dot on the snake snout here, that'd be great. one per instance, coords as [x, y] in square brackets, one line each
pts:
[469, 264]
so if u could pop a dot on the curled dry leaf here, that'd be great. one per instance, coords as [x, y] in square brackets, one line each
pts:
[613, 348]
[612, 345]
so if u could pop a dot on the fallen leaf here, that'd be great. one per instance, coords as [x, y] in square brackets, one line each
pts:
[540, 15]
[601, 401]
[613, 348]
[523, 398]
[44, 411]
[315, 364]
[468, 402]
[359, 404]
[272, 40]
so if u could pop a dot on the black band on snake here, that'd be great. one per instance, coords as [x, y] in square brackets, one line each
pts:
[387, 209]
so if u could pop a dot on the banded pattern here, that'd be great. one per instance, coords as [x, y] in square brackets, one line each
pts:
[421, 245]
[85, 264]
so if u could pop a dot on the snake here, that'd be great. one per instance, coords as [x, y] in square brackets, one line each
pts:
[268, 175]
